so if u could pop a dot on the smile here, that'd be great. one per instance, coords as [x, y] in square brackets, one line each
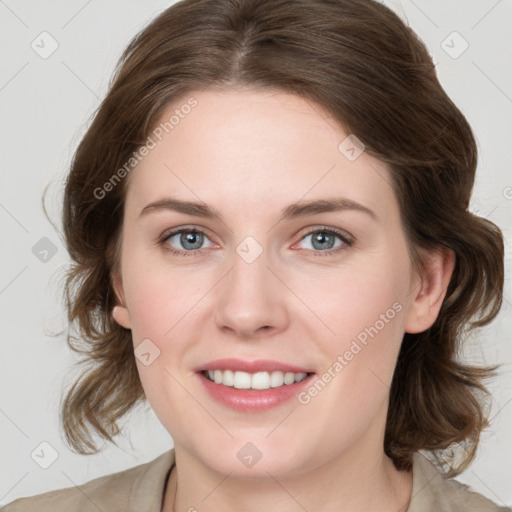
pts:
[258, 380]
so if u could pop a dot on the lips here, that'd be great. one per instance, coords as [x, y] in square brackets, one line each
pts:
[251, 386]
[261, 365]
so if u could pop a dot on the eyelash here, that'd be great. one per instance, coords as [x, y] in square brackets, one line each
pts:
[347, 242]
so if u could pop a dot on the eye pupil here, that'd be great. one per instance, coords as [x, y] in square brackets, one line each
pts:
[322, 237]
[190, 237]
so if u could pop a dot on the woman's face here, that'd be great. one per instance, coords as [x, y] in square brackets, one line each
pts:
[298, 272]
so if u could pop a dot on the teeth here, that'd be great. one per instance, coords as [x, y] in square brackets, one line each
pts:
[228, 378]
[258, 380]
[242, 380]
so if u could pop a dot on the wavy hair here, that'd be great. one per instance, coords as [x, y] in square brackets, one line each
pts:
[363, 65]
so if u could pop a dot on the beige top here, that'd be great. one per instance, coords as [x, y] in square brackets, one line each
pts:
[141, 489]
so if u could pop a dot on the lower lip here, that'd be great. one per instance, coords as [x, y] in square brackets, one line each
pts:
[253, 400]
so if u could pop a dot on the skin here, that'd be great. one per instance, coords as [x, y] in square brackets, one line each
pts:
[251, 153]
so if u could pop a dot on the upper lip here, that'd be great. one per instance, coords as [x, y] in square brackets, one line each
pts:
[259, 365]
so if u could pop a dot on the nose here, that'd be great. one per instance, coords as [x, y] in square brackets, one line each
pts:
[252, 300]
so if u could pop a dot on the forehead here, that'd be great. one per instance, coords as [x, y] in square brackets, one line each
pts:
[246, 148]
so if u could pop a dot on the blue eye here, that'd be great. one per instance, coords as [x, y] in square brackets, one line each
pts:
[191, 241]
[324, 240]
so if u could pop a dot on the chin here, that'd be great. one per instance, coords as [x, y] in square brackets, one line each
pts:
[255, 457]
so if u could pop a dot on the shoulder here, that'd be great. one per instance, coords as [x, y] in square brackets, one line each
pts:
[433, 491]
[120, 491]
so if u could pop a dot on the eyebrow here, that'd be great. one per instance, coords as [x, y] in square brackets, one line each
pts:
[294, 210]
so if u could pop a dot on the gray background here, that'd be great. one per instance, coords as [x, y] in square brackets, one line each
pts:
[46, 104]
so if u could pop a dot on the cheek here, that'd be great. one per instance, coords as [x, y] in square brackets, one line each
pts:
[151, 305]
[365, 308]
[358, 296]
[158, 294]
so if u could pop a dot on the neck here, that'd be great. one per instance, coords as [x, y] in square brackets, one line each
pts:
[351, 482]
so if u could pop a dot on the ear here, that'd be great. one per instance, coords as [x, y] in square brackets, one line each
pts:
[120, 312]
[429, 295]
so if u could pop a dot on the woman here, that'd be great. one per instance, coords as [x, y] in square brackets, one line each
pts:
[269, 225]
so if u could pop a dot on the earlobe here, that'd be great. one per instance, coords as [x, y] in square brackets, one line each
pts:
[429, 295]
[121, 316]
[120, 312]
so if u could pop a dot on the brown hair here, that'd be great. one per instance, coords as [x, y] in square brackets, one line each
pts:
[357, 60]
